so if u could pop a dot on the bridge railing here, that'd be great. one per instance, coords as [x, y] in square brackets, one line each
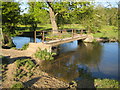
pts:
[59, 34]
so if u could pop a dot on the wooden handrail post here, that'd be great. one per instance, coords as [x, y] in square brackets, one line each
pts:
[35, 36]
[81, 31]
[72, 33]
[43, 37]
[75, 31]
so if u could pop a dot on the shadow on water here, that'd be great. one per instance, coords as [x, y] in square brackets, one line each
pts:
[66, 64]
[79, 62]
[74, 64]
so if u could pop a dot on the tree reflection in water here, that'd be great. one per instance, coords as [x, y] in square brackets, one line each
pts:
[67, 64]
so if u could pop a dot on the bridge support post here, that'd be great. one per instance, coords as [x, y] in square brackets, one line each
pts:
[72, 33]
[43, 37]
[81, 32]
[35, 36]
[79, 41]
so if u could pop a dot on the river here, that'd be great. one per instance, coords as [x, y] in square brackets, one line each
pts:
[99, 59]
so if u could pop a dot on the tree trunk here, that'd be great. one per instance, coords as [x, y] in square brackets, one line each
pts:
[7, 41]
[52, 18]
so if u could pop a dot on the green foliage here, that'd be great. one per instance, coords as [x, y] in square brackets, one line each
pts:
[71, 12]
[37, 14]
[3, 66]
[106, 83]
[25, 46]
[44, 55]
[24, 68]
[25, 62]
[65, 12]
[17, 85]
[107, 31]
[10, 16]
[99, 17]
[4, 59]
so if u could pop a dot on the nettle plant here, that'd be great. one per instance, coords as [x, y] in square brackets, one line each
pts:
[44, 55]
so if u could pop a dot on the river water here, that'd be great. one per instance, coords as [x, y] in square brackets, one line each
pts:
[100, 59]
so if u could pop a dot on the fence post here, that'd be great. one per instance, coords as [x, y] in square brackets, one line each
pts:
[75, 31]
[43, 37]
[72, 33]
[81, 31]
[35, 36]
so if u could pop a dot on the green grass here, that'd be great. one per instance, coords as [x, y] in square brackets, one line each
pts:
[44, 55]
[106, 31]
[110, 32]
[72, 26]
[24, 47]
[58, 36]
[106, 83]
[17, 85]
[3, 67]
[24, 28]
[25, 68]
[45, 27]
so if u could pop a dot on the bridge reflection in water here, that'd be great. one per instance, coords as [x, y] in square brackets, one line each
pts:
[99, 59]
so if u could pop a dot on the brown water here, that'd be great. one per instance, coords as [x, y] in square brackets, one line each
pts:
[100, 60]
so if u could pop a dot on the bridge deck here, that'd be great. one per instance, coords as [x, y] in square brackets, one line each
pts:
[65, 40]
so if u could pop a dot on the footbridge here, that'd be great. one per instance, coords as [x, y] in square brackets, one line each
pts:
[59, 37]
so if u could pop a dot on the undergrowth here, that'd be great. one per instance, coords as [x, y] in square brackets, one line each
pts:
[106, 83]
[25, 68]
[17, 85]
[3, 66]
[44, 55]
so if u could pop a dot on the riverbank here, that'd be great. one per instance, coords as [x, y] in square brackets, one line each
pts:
[41, 79]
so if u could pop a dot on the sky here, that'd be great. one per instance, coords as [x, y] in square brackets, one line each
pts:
[103, 2]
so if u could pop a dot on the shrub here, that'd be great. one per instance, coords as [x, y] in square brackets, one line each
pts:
[27, 66]
[24, 47]
[106, 83]
[44, 55]
[17, 85]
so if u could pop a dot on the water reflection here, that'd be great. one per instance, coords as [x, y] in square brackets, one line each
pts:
[20, 41]
[94, 56]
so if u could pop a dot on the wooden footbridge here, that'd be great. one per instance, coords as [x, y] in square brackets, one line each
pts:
[61, 36]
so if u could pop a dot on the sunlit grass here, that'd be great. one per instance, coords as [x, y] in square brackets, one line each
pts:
[107, 31]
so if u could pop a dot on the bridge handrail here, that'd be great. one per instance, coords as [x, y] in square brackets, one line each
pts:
[44, 31]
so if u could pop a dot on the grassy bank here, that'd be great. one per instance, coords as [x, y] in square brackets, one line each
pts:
[110, 32]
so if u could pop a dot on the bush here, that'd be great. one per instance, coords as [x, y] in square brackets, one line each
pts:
[44, 55]
[18, 85]
[106, 83]
[24, 47]
[24, 66]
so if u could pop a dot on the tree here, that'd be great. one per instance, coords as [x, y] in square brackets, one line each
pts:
[10, 18]
[71, 12]
[52, 17]
[61, 12]
[38, 12]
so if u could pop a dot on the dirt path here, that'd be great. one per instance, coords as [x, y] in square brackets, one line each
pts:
[39, 80]
[33, 47]
[13, 55]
